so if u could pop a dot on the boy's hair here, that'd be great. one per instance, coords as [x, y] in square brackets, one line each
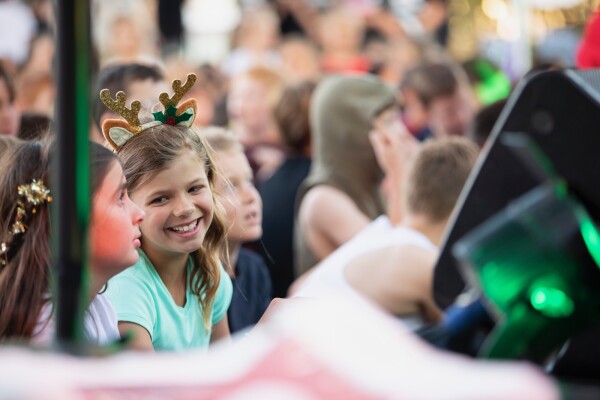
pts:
[25, 279]
[437, 176]
[291, 116]
[118, 77]
[220, 139]
[152, 151]
[431, 81]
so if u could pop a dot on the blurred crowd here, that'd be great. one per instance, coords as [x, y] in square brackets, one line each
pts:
[345, 110]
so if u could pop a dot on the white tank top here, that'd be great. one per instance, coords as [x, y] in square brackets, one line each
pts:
[328, 280]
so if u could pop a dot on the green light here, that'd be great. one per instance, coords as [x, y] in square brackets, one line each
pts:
[591, 237]
[551, 302]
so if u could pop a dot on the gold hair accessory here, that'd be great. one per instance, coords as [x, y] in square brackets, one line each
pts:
[117, 132]
[30, 197]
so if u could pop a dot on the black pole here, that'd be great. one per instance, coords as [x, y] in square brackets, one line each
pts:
[71, 172]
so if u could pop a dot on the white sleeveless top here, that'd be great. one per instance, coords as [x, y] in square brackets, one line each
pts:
[328, 280]
[99, 323]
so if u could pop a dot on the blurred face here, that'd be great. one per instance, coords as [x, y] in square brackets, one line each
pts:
[114, 229]
[300, 61]
[248, 105]
[9, 114]
[452, 115]
[146, 91]
[415, 114]
[241, 200]
[178, 203]
[128, 44]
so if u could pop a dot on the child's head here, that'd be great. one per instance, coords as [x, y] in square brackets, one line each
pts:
[241, 200]
[437, 175]
[114, 223]
[252, 99]
[441, 91]
[292, 117]
[24, 279]
[171, 175]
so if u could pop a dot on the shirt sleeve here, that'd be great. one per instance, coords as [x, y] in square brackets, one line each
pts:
[132, 300]
[222, 298]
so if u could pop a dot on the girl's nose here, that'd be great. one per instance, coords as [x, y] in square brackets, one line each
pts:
[184, 207]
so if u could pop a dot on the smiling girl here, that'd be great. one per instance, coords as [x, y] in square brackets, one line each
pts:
[177, 295]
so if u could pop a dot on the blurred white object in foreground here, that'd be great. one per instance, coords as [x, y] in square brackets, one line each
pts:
[306, 350]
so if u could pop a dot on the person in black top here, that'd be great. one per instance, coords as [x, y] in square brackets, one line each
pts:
[279, 191]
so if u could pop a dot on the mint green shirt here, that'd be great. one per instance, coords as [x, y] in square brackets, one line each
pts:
[140, 296]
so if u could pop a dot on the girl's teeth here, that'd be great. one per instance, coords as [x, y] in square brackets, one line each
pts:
[185, 228]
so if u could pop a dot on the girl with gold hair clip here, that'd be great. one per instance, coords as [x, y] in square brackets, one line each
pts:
[26, 310]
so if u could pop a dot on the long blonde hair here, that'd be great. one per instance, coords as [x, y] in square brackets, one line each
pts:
[153, 150]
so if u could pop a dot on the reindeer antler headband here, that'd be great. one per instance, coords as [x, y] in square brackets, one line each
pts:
[117, 132]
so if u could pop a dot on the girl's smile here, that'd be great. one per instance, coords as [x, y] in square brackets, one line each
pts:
[178, 206]
[186, 230]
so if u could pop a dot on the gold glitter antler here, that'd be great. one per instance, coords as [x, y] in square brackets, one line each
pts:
[118, 106]
[179, 90]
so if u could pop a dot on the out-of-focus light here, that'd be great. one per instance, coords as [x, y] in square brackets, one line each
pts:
[508, 29]
[539, 29]
[495, 9]
[555, 20]
[461, 8]
[553, 4]
[552, 302]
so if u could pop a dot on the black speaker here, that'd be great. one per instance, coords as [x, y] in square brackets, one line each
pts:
[559, 112]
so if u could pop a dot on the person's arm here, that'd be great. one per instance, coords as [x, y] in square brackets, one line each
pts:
[330, 218]
[220, 330]
[138, 336]
[409, 281]
[398, 279]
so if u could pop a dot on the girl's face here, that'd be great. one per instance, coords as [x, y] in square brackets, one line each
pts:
[115, 225]
[178, 203]
[242, 203]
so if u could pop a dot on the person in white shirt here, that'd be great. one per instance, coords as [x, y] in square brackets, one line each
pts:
[391, 264]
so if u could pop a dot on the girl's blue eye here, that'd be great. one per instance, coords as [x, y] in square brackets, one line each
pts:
[195, 189]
